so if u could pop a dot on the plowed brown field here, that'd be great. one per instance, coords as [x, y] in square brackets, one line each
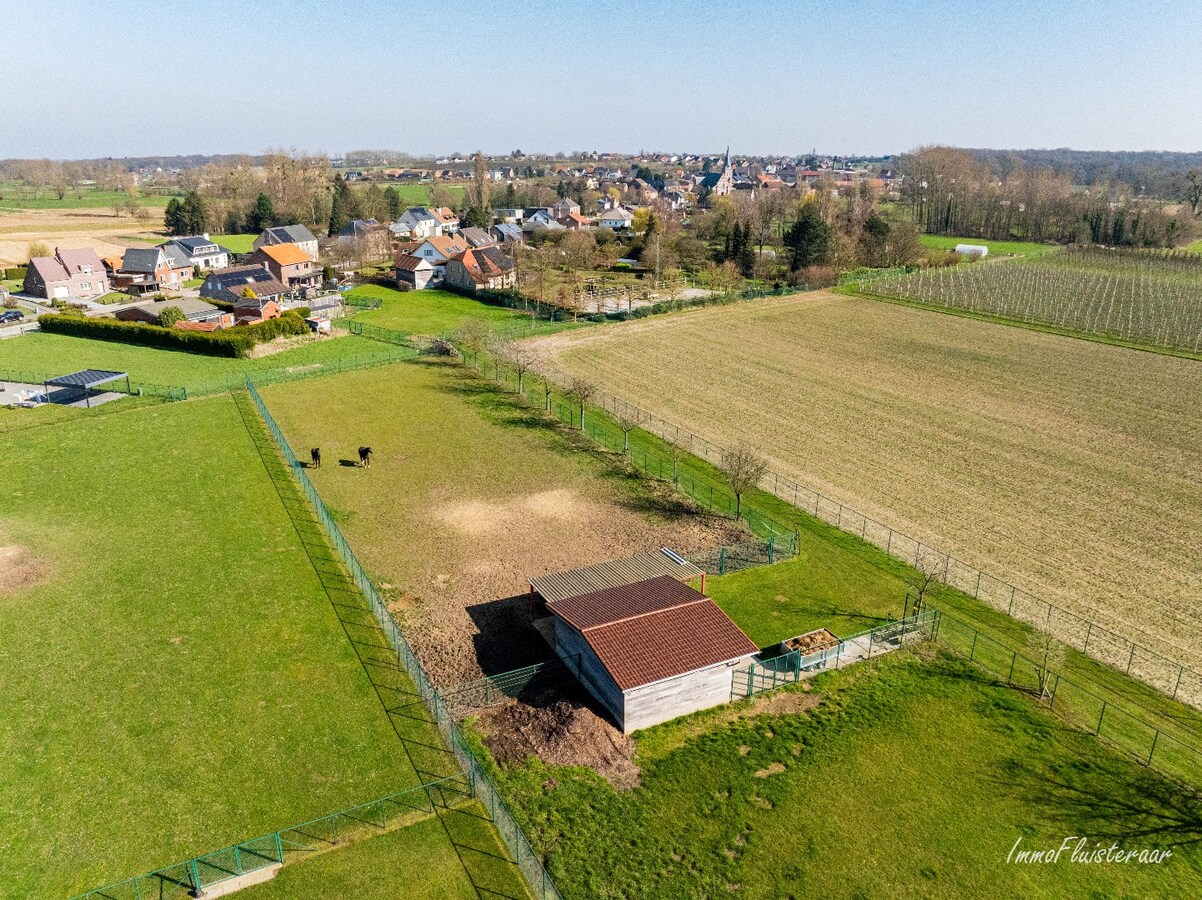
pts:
[1070, 468]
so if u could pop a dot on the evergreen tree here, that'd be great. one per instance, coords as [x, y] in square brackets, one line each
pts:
[173, 218]
[345, 206]
[261, 215]
[193, 217]
[476, 217]
[808, 239]
[392, 199]
[510, 200]
[745, 258]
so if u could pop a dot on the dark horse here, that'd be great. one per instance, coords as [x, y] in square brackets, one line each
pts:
[365, 457]
[315, 458]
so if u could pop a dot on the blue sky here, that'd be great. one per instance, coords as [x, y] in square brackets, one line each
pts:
[82, 78]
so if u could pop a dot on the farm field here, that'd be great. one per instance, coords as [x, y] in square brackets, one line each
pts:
[986, 441]
[14, 196]
[469, 496]
[1146, 299]
[55, 354]
[176, 678]
[439, 312]
[910, 777]
[996, 248]
[98, 228]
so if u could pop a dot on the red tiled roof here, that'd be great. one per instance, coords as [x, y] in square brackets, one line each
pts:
[613, 604]
[653, 630]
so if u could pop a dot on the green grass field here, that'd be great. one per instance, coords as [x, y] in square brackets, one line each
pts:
[411, 862]
[236, 243]
[913, 777]
[175, 677]
[13, 197]
[996, 248]
[45, 353]
[439, 312]
[1195, 247]
[419, 194]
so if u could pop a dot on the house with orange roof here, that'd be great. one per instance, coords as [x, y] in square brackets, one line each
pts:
[484, 268]
[288, 264]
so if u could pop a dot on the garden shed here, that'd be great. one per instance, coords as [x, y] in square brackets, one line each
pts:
[649, 651]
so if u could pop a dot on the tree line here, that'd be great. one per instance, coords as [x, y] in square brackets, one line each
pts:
[956, 192]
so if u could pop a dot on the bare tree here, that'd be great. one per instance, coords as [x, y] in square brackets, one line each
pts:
[742, 469]
[518, 358]
[1048, 654]
[628, 422]
[582, 391]
[919, 582]
[472, 336]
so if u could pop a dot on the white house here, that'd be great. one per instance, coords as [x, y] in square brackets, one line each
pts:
[417, 223]
[440, 249]
[618, 219]
[200, 251]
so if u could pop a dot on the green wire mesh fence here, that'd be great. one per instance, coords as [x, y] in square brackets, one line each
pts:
[482, 787]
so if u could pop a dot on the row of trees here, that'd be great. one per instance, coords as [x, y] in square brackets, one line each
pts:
[951, 191]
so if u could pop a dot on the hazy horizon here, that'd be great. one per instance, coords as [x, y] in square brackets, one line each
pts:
[856, 78]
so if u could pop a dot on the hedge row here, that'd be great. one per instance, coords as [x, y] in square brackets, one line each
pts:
[15, 274]
[236, 341]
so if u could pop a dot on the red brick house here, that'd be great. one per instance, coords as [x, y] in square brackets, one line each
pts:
[289, 265]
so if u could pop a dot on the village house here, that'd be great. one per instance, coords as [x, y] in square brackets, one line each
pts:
[477, 237]
[486, 268]
[509, 215]
[413, 272]
[149, 270]
[249, 310]
[373, 239]
[67, 275]
[447, 219]
[231, 285]
[507, 233]
[289, 265]
[564, 206]
[416, 222]
[201, 252]
[289, 234]
[573, 221]
[618, 218]
[439, 249]
[194, 310]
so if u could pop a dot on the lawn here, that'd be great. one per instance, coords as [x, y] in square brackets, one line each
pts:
[236, 243]
[912, 777]
[45, 353]
[1195, 247]
[439, 312]
[996, 248]
[411, 862]
[175, 676]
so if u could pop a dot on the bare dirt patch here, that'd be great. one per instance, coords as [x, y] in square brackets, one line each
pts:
[20, 569]
[470, 495]
[563, 733]
[770, 770]
[100, 229]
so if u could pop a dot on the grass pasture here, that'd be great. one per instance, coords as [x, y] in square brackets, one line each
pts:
[439, 312]
[987, 441]
[175, 676]
[468, 497]
[910, 777]
[12, 196]
[996, 248]
[46, 353]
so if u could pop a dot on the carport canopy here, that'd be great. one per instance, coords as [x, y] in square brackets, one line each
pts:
[87, 380]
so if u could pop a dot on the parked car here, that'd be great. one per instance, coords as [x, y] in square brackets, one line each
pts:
[9, 316]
